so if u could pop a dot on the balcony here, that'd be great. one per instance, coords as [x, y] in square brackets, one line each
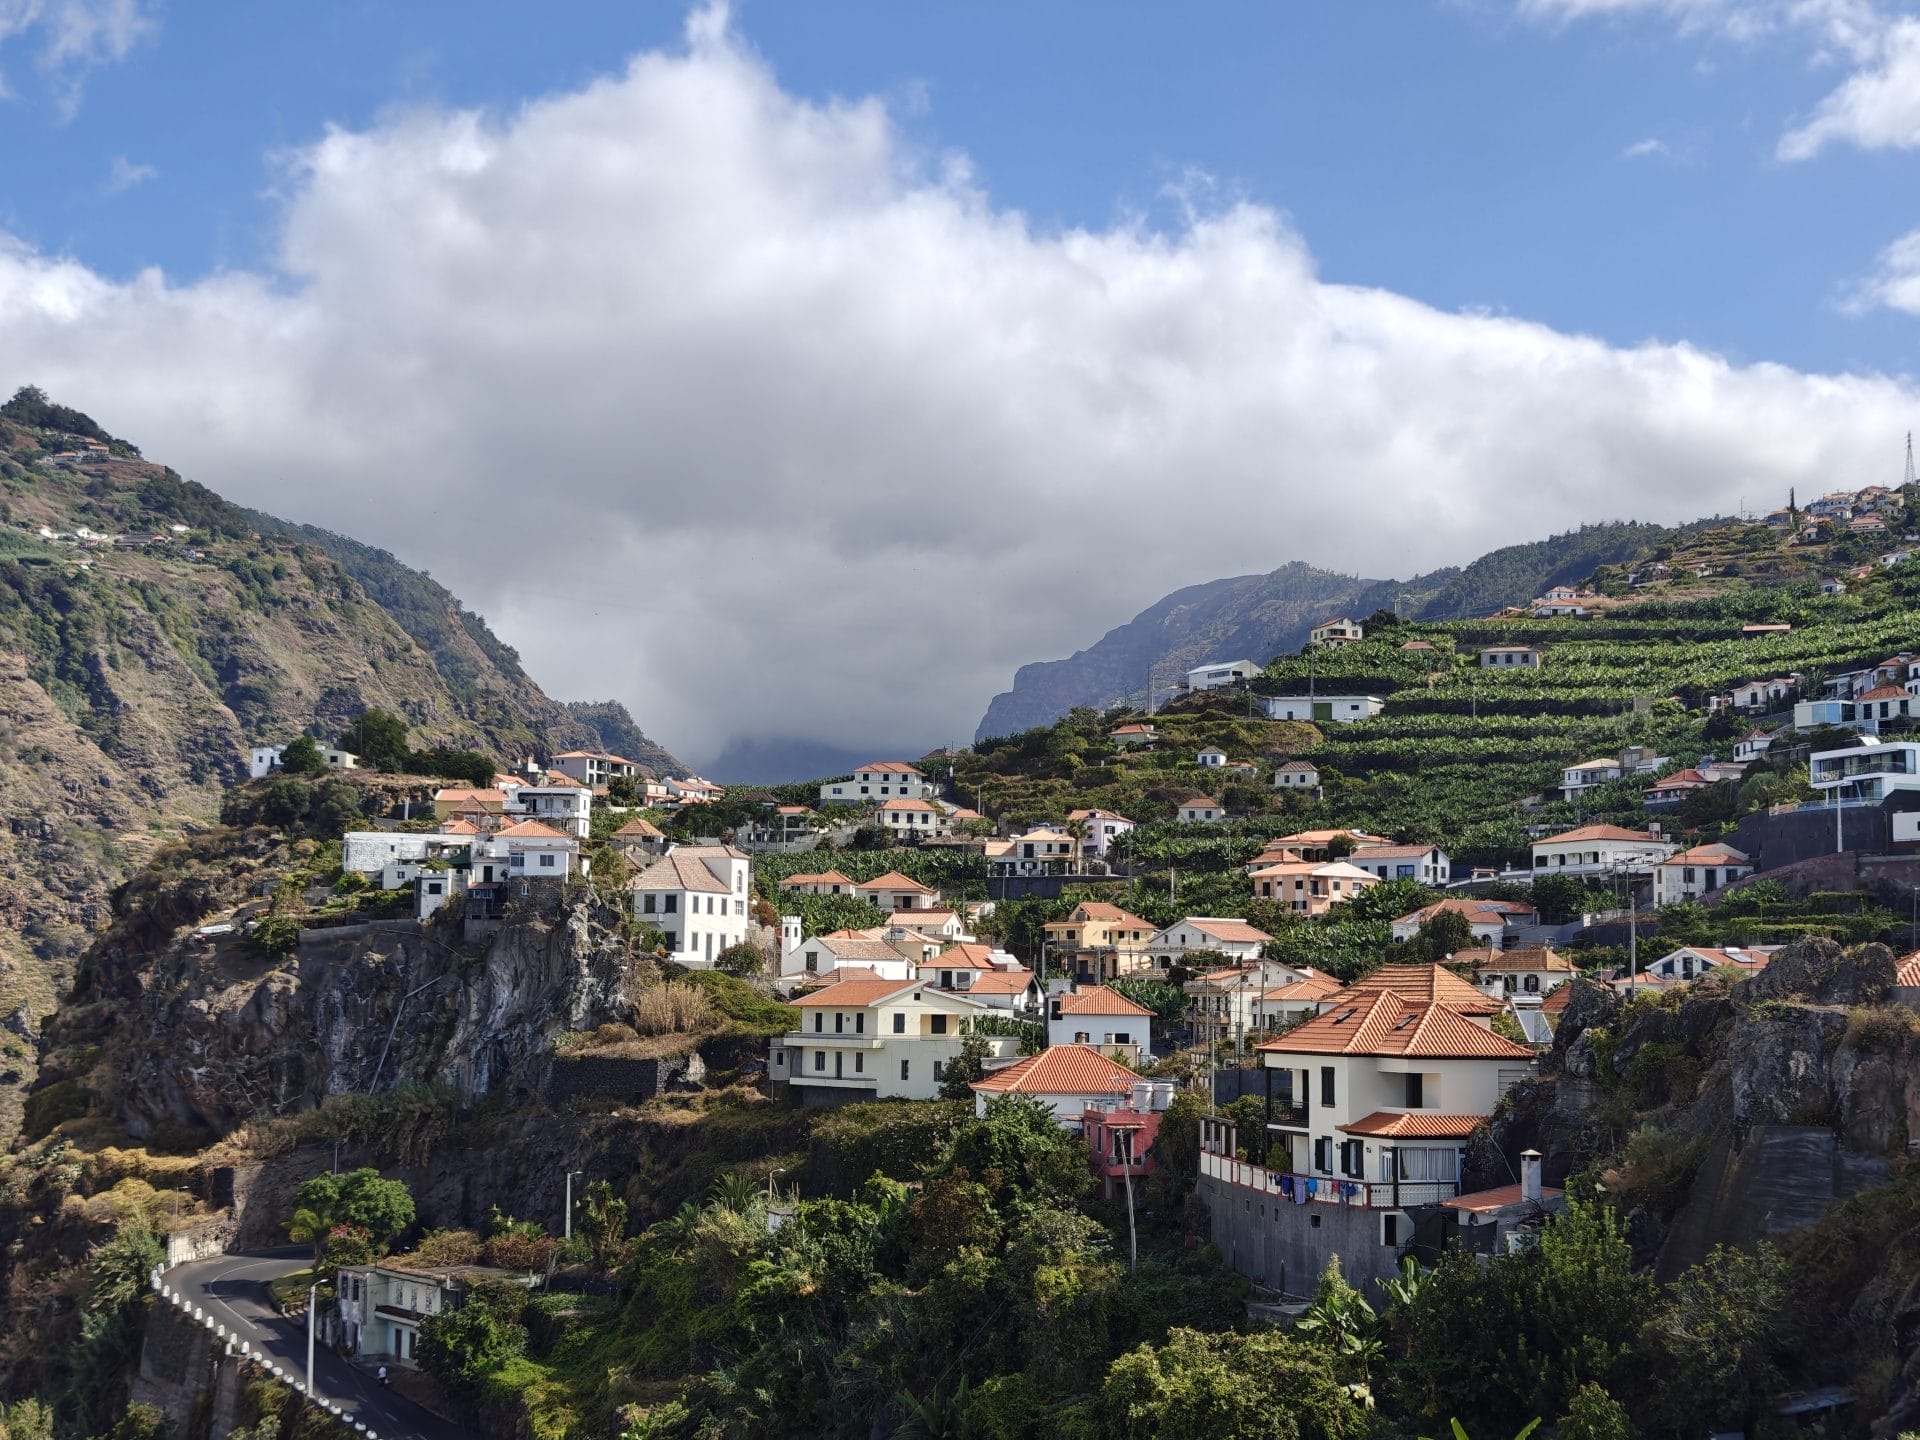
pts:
[1328, 1189]
[1286, 1116]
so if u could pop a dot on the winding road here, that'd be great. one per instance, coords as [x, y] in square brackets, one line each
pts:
[233, 1290]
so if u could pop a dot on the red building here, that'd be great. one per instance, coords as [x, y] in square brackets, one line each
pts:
[1119, 1143]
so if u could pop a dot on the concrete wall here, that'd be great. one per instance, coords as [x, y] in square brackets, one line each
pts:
[1279, 1245]
[620, 1077]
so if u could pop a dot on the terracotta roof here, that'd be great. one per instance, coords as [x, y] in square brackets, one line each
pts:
[1073, 815]
[459, 827]
[638, 827]
[1420, 985]
[1481, 1202]
[1099, 910]
[1313, 987]
[1391, 1125]
[1001, 982]
[893, 880]
[1472, 909]
[1715, 854]
[678, 870]
[962, 957]
[1542, 959]
[455, 795]
[1102, 1001]
[532, 830]
[1061, 1070]
[895, 767]
[1599, 832]
[901, 802]
[1238, 931]
[1886, 692]
[1322, 837]
[1688, 779]
[845, 948]
[825, 877]
[1416, 645]
[1391, 852]
[856, 994]
[1907, 972]
[1557, 1000]
[1202, 802]
[558, 780]
[1386, 1024]
[1133, 729]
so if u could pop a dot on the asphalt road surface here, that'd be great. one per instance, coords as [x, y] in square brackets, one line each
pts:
[233, 1290]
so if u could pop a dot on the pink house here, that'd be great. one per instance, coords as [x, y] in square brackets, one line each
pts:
[1119, 1143]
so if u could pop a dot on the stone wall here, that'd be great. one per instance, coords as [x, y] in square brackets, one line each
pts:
[1285, 1246]
[621, 1078]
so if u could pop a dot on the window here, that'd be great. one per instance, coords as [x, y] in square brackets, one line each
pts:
[1416, 1090]
[1326, 1085]
[1389, 1229]
[819, 1060]
[1352, 1158]
[546, 862]
[839, 1021]
[1323, 1155]
[905, 1065]
[939, 1024]
[859, 1022]
[938, 1067]
[669, 904]
[900, 1028]
[859, 1064]
[819, 1021]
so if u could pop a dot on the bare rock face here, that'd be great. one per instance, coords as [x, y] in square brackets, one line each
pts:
[1590, 1006]
[1778, 1066]
[218, 1035]
[1819, 971]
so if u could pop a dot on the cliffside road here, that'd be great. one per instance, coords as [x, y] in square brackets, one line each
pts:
[233, 1289]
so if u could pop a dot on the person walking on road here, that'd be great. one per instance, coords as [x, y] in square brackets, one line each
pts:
[383, 1375]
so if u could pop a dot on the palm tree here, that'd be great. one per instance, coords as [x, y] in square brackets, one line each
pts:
[310, 1227]
[734, 1191]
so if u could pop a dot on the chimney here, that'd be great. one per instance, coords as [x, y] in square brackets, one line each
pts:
[1530, 1175]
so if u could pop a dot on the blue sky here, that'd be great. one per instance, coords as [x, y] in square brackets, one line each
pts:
[795, 373]
[1457, 153]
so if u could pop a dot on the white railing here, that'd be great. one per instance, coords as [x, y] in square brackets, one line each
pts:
[1327, 1189]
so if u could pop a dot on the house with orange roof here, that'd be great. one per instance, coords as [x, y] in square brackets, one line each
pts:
[1906, 980]
[908, 821]
[1097, 942]
[1199, 810]
[1308, 887]
[453, 798]
[1043, 850]
[1098, 830]
[870, 1038]
[596, 768]
[1420, 985]
[1693, 873]
[1690, 962]
[696, 897]
[1134, 734]
[809, 960]
[1600, 849]
[824, 882]
[1011, 990]
[1319, 844]
[1670, 790]
[894, 891]
[1369, 1107]
[1206, 935]
[1282, 1005]
[1428, 864]
[639, 837]
[1223, 1004]
[1104, 1018]
[1489, 921]
[876, 781]
[1065, 1078]
[534, 851]
[1525, 974]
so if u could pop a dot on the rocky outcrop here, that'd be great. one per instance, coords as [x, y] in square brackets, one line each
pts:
[1819, 972]
[215, 1034]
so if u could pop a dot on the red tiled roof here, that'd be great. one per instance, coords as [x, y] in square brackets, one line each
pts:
[637, 827]
[1061, 1070]
[1391, 1125]
[1313, 987]
[678, 871]
[1531, 958]
[855, 994]
[1387, 1024]
[1599, 832]
[1907, 972]
[903, 803]
[532, 830]
[896, 767]
[1421, 985]
[893, 880]
[1886, 692]
[1000, 982]
[1715, 854]
[1233, 931]
[1557, 1000]
[825, 877]
[1481, 1202]
[1103, 1001]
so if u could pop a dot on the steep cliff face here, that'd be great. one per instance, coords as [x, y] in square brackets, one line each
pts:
[150, 632]
[208, 1035]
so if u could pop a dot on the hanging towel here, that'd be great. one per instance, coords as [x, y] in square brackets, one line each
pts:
[1286, 1186]
[1313, 1187]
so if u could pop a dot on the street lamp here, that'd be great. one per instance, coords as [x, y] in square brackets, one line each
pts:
[568, 1223]
[313, 1296]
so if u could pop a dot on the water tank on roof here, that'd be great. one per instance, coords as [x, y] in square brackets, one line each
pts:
[1162, 1094]
[1143, 1095]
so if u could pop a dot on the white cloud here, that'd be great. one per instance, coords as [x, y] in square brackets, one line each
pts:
[1877, 107]
[123, 175]
[728, 404]
[1650, 148]
[1895, 284]
[71, 37]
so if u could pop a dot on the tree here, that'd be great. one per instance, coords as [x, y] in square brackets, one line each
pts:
[1713, 1332]
[1443, 933]
[823, 914]
[1264, 1386]
[743, 960]
[602, 1222]
[303, 757]
[461, 1348]
[378, 738]
[622, 791]
[381, 1207]
[965, 1068]
[1595, 1415]
[1559, 898]
[1018, 1141]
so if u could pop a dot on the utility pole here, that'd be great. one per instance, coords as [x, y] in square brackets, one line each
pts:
[1133, 1241]
[313, 1294]
[568, 1223]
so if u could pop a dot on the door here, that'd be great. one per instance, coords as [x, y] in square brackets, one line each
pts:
[838, 1060]
[1322, 710]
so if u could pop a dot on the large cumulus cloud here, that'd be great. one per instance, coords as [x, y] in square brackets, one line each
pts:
[750, 412]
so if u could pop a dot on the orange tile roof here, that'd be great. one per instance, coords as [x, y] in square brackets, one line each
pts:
[1102, 1001]
[1001, 982]
[1199, 802]
[1391, 1125]
[1886, 692]
[855, 994]
[1387, 1024]
[825, 877]
[1098, 911]
[1312, 987]
[1599, 832]
[1321, 837]
[893, 880]
[1422, 985]
[459, 827]
[1061, 1070]
[901, 802]
[1688, 779]
[1715, 854]
[1073, 815]
[455, 795]
[1481, 910]
[1481, 1202]
[644, 829]
[895, 767]
[1907, 972]
[532, 830]
[962, 957]
[1232, 931]
[1541, 958]
[1557, 1000]
[677, 871]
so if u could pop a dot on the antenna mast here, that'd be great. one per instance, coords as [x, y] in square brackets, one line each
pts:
[1910, 478]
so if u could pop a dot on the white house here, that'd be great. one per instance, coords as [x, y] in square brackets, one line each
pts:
[1225, 1003]
[1098, 830]
[595, 768]
[696, 896]
[265, 759]
[894, 891]
[1562, 601]
[536, 852]
[1234, 939]
[368, 852]
[906, 819]
[1290, 1003]
[872, 1039]
[1043, 850]
[1296, 775]
[1696, 872]
[1323, 709]
[1311, 887]
[1221, 674]
[1871, 771]
[1586, 775]
[1336, 632]
[1690, 962]
[806, 960]
[1489, 921]
[1133, 733]
[1200, 810]
[1212, 758]
[1524, 973]
[381, 1306]
[880, 780]
[566, 808]
[1064, 1078]
[1752, 745]
[1428, 864]
[1383, 1092]
[1511, 657]
[1598, 850]
[1104, 1018]
[824, 882]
